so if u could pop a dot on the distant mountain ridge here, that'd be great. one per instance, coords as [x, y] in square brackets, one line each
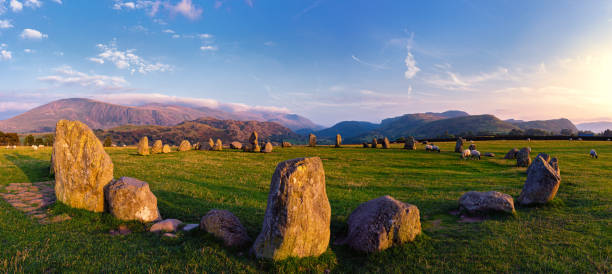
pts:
[102, 115]
[596, 127]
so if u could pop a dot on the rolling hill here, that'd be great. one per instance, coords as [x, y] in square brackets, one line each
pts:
[596, 127]
[554, 126]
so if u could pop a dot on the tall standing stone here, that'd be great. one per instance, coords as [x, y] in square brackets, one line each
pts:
[522, 157]
[184, 146]
[157, 147]
[211, 144]
[410, 143]
[374, 143]
[298, 214]
[143, 146]
[253, 139]
[385, 143]
[459, 145]
[267, 148]
[82, 167]
[312, 140]
[543, 181]
[338, 140]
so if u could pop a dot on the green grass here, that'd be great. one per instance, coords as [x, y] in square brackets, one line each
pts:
[571, 234]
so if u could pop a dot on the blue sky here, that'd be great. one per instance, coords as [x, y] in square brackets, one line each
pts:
[328, 60]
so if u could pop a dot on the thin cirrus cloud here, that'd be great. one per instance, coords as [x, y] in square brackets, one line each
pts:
[127, 59]
[208, 48]
[5, 24]
[32, 34]
[375, 66]
[185, 8]
[67, 76]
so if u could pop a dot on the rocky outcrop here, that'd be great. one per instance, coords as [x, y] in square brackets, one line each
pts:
[130, 199]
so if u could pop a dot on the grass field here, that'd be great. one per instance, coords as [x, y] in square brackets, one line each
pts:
[571, 234]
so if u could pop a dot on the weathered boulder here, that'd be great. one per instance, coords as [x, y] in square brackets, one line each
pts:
[143, 146]
[130, 199]
[82, 167]
[482, 203]
[511, 154]
[168, 225]
[472, 147]
[459, 145]
[267, 148]
[338, 140]
[410, 143]
[380, 223]
[218, 145]
[374, 143]
[312, 140]
[157, 147]
[226, 226]
[522, 157]
[184, 146]
[166, 149]
[543, 181]
[286, 144]
[196, 146]
[385, 143]
[298, 214]
[235, 145]
[365, 145]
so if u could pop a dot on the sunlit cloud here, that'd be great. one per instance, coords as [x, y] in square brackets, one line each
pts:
[32, 34]
[67, 76]
[127, 59]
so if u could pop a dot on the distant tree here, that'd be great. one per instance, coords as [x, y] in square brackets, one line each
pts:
[29, 140]
[12, 139]
[108, 142]
[586, 133]
[536, 132]
[516, 132]
[48, 140]
[38, 141]
[567, 132]
[607, 133]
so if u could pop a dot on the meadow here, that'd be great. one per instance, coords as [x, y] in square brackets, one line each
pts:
[571, 234]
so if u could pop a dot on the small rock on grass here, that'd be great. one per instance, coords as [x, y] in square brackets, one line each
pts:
[190, 227]
[168, 225]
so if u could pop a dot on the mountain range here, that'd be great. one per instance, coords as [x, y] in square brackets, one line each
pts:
[596, 127]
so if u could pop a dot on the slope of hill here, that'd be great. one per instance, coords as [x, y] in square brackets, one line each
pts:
[476, 124]
[101, 115]
[347, 129]
[199, 131]
[596, 127]
[554, 126]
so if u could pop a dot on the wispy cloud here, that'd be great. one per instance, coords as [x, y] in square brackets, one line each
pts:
[376, 66]
[32, 34]
[409, 61]
[249, 2]
[185, 8]
[5, 54]
[33, 4]
[66, 76]
[16, 6]
[127, 59]
[208, 48]
[306, 10]
[5, 24]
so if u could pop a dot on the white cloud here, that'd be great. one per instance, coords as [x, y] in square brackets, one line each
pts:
[6, 55]
[66, 76]
[168, 31]
[57, 1]
[375, 66]
[176, 36]
[28, 51]
[269, 44]
[16, 6]
[5, 24]
[33, 3]
[184, 7]
[32, 34]
[208, 48]
[450, 80]
[409, 61]
[205, 36]
[127, 59]
[16, 106]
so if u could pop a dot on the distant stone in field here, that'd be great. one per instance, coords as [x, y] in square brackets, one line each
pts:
[374, 143]
[184, 146]
[338, 140]
[226, 226]
[482, 203]
[143, 146]
[196, 146]
[522, 157]
[157, 147]
[168, 225]
[286, 144]
[253, 139]
[385, 143]
[459, 145]
[489, 154]
[235, 145]
[472, 147]
[511, 154]
[218, 145]
[82, 167]
[380, 223]
[267, 148]
[365, 145]
[211, 144]
[298, 214]
[543, 181]
[312, 140]
[130, 199]
[166, 149]
[410, 143]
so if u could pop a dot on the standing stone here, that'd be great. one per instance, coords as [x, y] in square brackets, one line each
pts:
[472, 147]
[365, 145]
[267, 148]
[380, 223]
[184, 146]
[253, 139]
[385, 143]
[286, 144]
[482, 203]
[226, 226]
[511, 154]
[235, 145]
[459, 145]
[218, 145]
[522, 157]
[298, 214]
[338, 140]
[312, 140]
[166, 149]
[130, 199]
[410, 143]
[374, 143]
[211, 144]
[157, 147]
[82, 167]
[196, 146]
[543, 181]
[143, 146]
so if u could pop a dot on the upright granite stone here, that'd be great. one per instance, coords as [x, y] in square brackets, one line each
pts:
[166, 149]
[374, 143]
[385, 143]
[410, 143]
[157, 147]
[522, 157]
[298, 214]
[82, 167]
[235, 145]
[143, 146]
[267, 148]
[130, 199]
[211, 144]
[196, 146]
[253, 139]
[312, 140]
[338, 140]
[218, 145]
[482, 203]
[380, 223]
[543, 181]
[459, 145]
[226, 226]
[511, 155]
[184, 146]
[286, 144]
